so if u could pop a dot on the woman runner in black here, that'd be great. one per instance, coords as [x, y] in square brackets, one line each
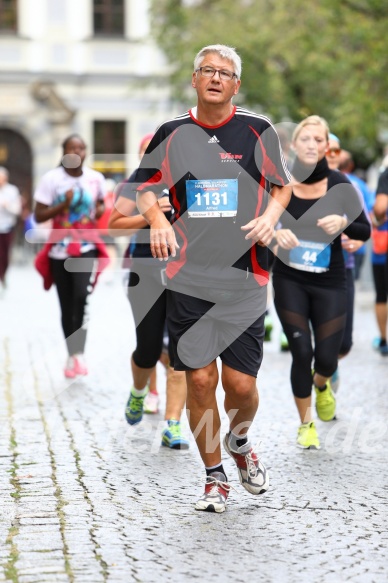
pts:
[309, 272]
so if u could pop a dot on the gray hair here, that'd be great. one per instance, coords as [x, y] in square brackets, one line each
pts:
[223, 51]
[4, 171]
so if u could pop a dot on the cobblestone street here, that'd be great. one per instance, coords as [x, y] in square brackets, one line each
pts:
[87, 498]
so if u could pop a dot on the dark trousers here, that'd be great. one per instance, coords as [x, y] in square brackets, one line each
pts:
[73, 290]
[5, 248]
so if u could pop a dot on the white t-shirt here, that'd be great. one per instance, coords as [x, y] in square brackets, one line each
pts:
[10, 207]
[88, 188]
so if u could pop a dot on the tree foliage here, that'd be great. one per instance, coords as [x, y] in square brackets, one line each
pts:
[299, 58]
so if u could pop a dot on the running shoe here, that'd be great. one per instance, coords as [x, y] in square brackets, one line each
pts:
[284, 346]
[376, 343]
[80, 365]
[70, 368]
[134, 409]
[335, 380]
[325, 403]
[383, 348]
[252, 473]
[172, 436]
[268, 326]
[151, 403]
[308, 436]
[216, 494]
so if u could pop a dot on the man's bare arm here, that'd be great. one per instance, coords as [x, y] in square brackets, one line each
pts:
[261, 230]
[162, 235]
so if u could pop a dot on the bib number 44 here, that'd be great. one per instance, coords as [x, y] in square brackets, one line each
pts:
[309, 256]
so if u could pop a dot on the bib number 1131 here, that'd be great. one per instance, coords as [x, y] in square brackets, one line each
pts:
[211, 198]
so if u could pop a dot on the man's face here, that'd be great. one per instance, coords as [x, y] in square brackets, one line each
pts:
[213, 90]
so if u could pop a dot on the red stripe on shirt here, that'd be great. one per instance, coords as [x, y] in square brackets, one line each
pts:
[217, 126]
[268, 166]
[261, 275]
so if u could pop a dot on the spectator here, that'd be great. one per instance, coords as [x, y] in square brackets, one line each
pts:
[346, 165]
[10, 209]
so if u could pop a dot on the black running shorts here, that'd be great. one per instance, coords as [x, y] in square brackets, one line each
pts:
[206, 323]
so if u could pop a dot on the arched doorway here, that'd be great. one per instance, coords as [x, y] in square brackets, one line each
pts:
[16, 156]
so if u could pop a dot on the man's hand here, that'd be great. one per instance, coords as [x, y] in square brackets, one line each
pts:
[162, 238]
[261, 231]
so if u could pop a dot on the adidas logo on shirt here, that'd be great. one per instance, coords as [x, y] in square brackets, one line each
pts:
[213, 140]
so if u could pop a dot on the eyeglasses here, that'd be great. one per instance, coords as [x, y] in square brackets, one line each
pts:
[335, 151]
[224, 74]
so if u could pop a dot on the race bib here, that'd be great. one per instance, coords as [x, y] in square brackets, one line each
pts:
[310, 256]
[212, 198]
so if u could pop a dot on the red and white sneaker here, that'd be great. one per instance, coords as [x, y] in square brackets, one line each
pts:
[216, 493]
[80, 366]
[252, 473]
[70, 368]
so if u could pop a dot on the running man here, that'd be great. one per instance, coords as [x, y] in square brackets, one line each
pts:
[217, 161]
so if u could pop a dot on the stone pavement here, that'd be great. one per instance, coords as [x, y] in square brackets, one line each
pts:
[86, 498]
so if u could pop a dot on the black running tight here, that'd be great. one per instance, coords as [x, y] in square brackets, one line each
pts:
[73, 290]
[147, 296]
[313, 319]
[347, 339]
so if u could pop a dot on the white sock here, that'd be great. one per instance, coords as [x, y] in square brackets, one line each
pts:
[139, 392]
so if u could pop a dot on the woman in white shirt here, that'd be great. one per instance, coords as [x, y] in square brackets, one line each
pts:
[72, 196]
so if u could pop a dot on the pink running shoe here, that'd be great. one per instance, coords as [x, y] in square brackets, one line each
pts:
[70, 368]
[80, 366]
[151, 403]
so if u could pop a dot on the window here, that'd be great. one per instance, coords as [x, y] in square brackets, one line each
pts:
[109, 148]
[108, 17]
[8, 15]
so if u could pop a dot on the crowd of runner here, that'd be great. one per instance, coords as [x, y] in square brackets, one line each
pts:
[218, 198]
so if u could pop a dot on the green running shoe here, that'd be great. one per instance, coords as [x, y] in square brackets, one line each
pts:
[134, 409]
[172, 436]
[308, 436]
[284, 347]
[268, 326]
[325, 403]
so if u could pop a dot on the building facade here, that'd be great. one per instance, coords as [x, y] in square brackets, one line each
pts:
[85, 66]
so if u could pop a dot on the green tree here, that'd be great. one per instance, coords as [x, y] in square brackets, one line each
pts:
[299, 58]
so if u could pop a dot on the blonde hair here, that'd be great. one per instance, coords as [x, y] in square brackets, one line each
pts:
[311, 120]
